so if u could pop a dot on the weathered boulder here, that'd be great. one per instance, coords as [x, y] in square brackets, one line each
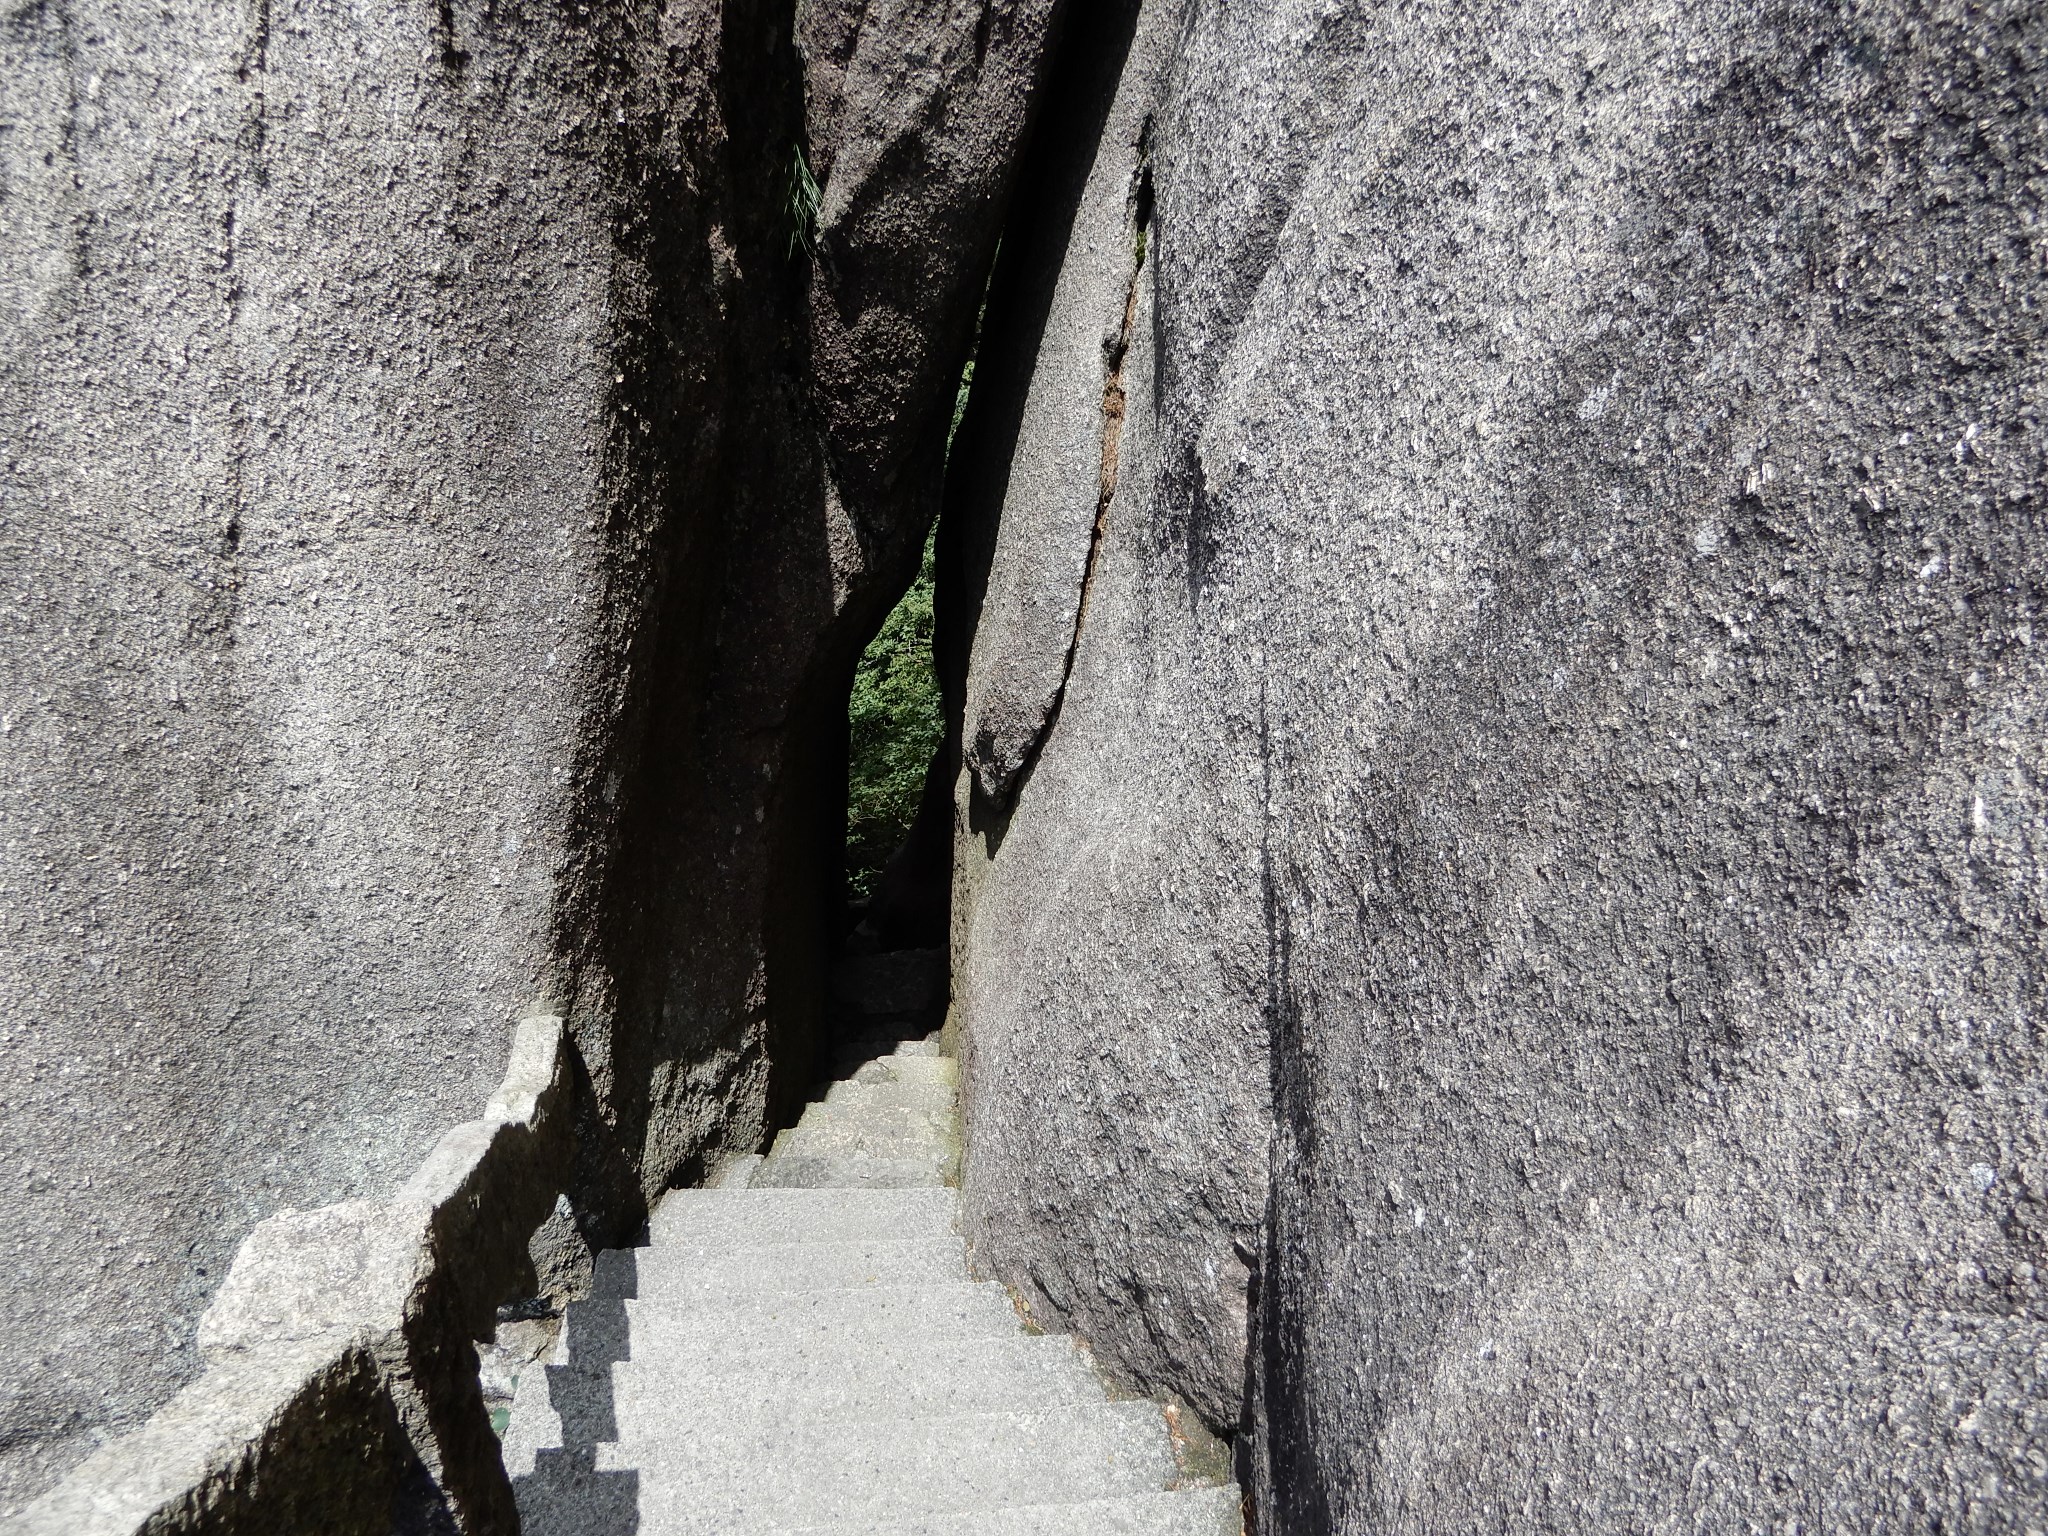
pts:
[424, 578]
[912, 116]
[1107, 952]
[1576, 697]
[915, 112]
[328, 374]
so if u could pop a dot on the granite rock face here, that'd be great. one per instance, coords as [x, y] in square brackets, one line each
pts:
[341, 1392]
[912, 117]
[1556, 710]
[1107, 950]
[323, 524]
[423, 577]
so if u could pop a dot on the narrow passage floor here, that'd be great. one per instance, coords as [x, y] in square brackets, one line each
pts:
[802, 1349]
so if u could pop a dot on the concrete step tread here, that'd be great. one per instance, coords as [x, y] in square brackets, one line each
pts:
[936, 1095]
[747, 1476]
[736, 1173]
[775, 1268]
[853, 1139]
[783, 1215]
[897, 1067]
[947, 1308]
[818, 1377]
[907, 1377]
[884, 1104]
[1185, 1512]
[878, 1112]
[806, 1171]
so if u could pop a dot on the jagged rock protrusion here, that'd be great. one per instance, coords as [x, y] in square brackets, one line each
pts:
[917, 114]
[341, 1392]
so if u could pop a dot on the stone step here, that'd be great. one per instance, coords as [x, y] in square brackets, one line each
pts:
[680, 1273]
[563, 1494]
[935, 1100]
[938, 1169]
[897, 1329]
[849, 1376]
[700, 1477]
[754, 1216]
[799, 1349]
[1190, 1512]
[869, 1111]
[962, 1309]
[908, 1071]
[534, 1426]
[849, 1173]
[765, 1336]
[903, 1138]
[736, 1173]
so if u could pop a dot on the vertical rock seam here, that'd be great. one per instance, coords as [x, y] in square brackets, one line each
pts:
[1112, 437]
[1113, 387]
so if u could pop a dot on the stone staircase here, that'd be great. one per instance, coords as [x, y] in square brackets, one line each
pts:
[800, 1349]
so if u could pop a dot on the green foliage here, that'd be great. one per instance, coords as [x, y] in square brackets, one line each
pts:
[892, 716]
[893, 721]
[960, 401]
[800, 204]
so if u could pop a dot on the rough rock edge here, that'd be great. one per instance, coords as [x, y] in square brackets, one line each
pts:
[341, 1389]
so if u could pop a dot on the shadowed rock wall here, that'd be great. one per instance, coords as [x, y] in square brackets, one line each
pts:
[424, 566]
[1567, 672]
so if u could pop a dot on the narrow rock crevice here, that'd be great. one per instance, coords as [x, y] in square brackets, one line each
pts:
[1113, 410]
[1113, 398]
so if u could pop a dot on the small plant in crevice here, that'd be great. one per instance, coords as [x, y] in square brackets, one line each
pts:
[893, 728]
[960, 405]
[800, 204]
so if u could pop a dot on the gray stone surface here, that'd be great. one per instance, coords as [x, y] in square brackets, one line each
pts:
[426, 591]
[735, 1322]
[1205, 1512]
[342, 1386]
[305, 346]
[1077, 255]
[324, 538]
[911, 1096]
[300, 1439]
[702, 1273]
[914, 114]
[712, 1217]
[916, 1378]
[799, 1472]
[1567, 673]
[804, 1171]
[1108, 959]
[776, 1359]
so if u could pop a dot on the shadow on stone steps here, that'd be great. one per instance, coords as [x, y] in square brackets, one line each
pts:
[881, 1000]
[561, 1490]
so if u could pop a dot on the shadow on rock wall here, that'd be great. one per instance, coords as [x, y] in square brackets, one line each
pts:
[1556, 709]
